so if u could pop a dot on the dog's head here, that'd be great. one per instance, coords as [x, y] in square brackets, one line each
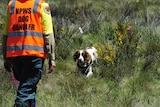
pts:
[82, 57]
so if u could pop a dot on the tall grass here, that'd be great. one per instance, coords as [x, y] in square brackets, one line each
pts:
[127, 72]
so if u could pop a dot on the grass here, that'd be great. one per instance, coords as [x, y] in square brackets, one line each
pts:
[127, 72]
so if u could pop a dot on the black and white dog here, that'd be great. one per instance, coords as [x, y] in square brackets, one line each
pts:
[85, 59]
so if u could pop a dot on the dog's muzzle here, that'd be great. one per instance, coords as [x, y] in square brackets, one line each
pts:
[81, 63]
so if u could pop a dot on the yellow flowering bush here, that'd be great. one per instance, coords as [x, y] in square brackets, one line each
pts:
[120, 34]
[126, 40]
[106, 52]
[124, 45]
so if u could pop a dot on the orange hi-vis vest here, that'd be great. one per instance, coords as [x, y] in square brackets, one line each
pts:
[25, 30]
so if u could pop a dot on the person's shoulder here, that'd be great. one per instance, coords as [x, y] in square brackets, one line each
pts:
[45, 7]
[44, 4]
[9, 3]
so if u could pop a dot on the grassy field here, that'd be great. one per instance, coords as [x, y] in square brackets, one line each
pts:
[126, 35]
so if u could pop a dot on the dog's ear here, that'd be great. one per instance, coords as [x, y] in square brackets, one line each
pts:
[86, 56]
[76, 55]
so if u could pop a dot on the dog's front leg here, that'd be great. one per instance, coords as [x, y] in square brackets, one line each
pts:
[90, 72]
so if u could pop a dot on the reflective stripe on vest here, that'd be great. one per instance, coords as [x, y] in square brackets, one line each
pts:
[12, 6]
[12, 34]
[25, 47]
[25, 32]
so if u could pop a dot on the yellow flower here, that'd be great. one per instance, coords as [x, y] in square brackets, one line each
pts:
[107, 58]
[138, 47]
[109, 47]
[62, 30]
[99, 50]
[77, 11]
[112, 54]
[1, 23]
[120, 38]
[116, 27]
[138, 36]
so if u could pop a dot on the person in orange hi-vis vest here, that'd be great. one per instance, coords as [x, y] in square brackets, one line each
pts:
[28, 40]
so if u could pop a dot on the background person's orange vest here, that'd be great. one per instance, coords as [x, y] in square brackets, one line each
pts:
[25, 32]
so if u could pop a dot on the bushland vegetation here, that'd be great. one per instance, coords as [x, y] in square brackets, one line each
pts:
[126, 35]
